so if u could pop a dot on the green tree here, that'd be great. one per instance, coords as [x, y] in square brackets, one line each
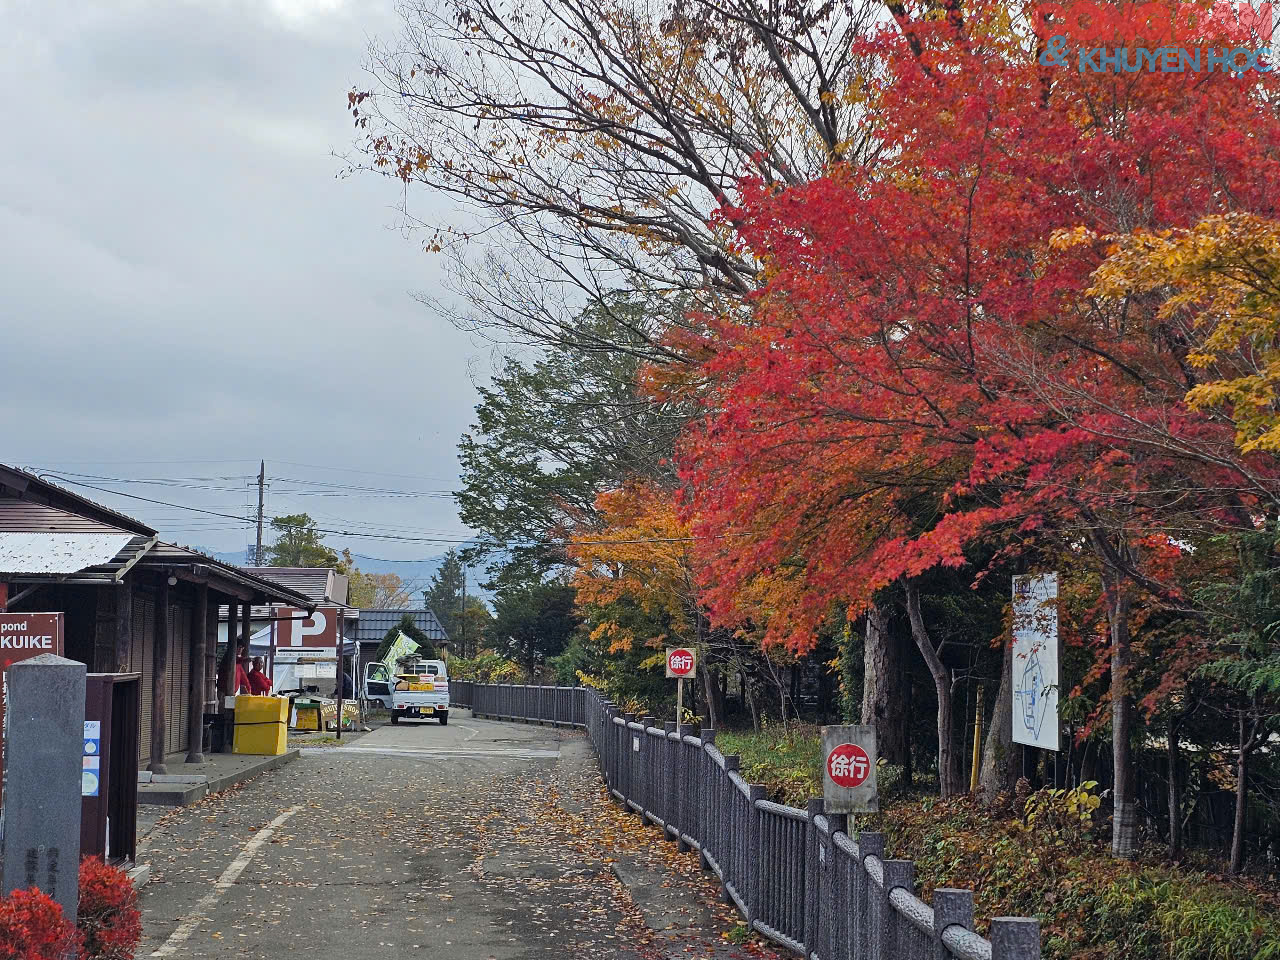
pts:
[552, 432]
[298, 544]
[444, 595]
[1245, 618]
[426, 648]
[475, 628]
[534, 622]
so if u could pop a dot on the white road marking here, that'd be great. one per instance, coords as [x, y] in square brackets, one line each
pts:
[501, 753]
[205, 904]
[474, 732]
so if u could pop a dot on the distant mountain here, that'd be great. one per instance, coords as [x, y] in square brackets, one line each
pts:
[416, 573]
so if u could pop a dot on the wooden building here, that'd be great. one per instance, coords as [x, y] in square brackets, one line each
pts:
[131, 603]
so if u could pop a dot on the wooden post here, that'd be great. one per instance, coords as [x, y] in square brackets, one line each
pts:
[124, 624]
[159, 680]
[227, 668]
[195, 712]
[246, 626]
[976, 763]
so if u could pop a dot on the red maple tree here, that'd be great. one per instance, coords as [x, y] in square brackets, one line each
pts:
[924, 367]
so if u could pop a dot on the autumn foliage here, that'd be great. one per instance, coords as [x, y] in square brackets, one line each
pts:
[32, 927]
[108, 916]
[928, 364]
[1023, 318]
[108, 924]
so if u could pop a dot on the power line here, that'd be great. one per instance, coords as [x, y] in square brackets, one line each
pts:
[220, 485]
[408, 539]
[248, 523]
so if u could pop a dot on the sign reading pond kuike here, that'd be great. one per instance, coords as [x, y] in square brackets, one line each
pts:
[681, 662]
[1035, 661]
[23, 636]
[849, 769]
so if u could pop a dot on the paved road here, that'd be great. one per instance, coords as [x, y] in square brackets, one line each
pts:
[475, 841]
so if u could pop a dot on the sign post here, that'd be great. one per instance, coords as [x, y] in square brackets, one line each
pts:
[849, 769]
[681, 662]
[304, 647]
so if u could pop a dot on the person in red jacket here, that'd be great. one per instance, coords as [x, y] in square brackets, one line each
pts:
[259, 682]
[242, 673]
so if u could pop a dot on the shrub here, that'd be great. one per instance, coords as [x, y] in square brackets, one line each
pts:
[32, 927]
[788, 763]
[1052, 863]
[108, 916]
[487, 666]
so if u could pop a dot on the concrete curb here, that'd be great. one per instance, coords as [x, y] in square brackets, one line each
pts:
[140, 875]
[185, 793]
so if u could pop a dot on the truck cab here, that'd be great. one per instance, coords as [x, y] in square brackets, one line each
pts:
[412, 688]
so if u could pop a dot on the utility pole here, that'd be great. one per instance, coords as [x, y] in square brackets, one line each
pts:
[262, 482]
[464, 610]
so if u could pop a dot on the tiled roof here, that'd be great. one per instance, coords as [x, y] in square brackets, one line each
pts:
[321, 584]
[168, 553]
[374, 624]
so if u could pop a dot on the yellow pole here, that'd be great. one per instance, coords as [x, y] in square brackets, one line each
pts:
[977, 744]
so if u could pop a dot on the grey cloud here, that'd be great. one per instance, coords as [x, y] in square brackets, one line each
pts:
[184, 276]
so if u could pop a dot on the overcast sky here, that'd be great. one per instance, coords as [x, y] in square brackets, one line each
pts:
[186, 285]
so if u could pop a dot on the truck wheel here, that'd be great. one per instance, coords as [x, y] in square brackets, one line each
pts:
[444, 718]
[395, 717]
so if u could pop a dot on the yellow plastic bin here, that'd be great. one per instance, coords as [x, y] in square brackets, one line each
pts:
[261, 725]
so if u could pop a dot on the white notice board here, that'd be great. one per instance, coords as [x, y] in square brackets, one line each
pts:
[1035, 661]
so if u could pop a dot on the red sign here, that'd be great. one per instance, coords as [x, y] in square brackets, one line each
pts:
[295, 629]
[23, 636]
[680, 662]
[26, 635]
[848, 765]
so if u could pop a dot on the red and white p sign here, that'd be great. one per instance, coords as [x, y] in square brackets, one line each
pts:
[298, 629]
[681, 662]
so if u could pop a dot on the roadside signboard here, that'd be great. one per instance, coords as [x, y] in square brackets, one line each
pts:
[294, 628]
[22, 636]
[91, 775]
[1035, 661]
[681, 662]
[849, 769]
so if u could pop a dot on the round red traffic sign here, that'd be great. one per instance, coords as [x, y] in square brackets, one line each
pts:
[680, 662]
[848, 765]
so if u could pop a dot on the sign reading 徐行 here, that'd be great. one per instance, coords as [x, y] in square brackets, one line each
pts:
[849, 769]
[681, 662]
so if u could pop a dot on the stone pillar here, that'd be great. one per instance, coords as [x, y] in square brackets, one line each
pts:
[42, 798]
[227, 667]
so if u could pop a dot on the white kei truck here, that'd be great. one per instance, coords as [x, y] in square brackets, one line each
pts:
[410, 687]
